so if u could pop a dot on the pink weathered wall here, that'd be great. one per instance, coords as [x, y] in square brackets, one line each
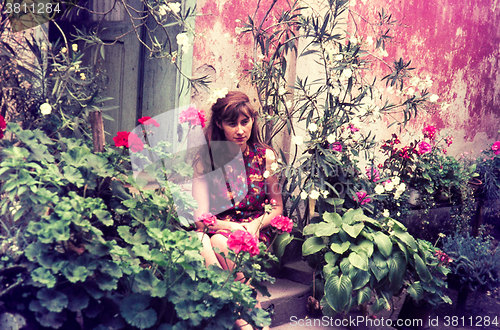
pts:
[457, 44]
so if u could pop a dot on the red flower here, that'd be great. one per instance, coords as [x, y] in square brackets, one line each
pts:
[193, 116]
[282, 223]
[148, 121]
[135, 143]
[242, 240]
[353, 128]
[430, 132]
[361, 197]
[424, 147]
[3, 125]
[496, 147]
[208, 219]
[448, 140]
[128, 139]
[121, 139]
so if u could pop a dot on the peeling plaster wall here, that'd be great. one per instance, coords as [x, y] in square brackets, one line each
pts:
[220, 48]
[456, 43]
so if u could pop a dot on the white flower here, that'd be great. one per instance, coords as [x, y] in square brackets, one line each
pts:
[82, 76]
[386, 213]
[303, 195]
[390, 90]
[183, 41]
[339, 57]
[389, 186]
[398, 214]
[260, 57]
[433, 98]
[266, 174]
[336, 91]
[325, 193]
[312, 127]
[44, 47]
[175, 7]
[353, 40]
[298, 140]
[397, 194]
[45, 109]
[289, 104]
[402, 187]
[218, 94]
[396, 180]
[410, 91]
[274, 166]
[330, 138]
[64, 50]
[347, 73]
[369, 40]
[379, 189]
[162, 10]
[74, 47]
[314, 194]
[383, 53]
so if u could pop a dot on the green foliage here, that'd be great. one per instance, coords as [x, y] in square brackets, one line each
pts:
[363, 258]
[83, 238]
[476, 261]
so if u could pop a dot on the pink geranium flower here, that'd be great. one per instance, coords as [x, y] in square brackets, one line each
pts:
[448, 140]
[496, 147]
[376, 174]
[121, 139]
[241, 240]
[361, 197]
[208, 219]
[353, 128]
[424, 147]
[430, 132]
[337, 146]
[193, 116]
[148, 121]
[135, 143]
[3, 125]
[282, 223]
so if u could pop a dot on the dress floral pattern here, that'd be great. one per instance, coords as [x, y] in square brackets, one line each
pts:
[244, 208]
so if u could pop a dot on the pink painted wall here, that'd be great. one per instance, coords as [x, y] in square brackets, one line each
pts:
[457, 44]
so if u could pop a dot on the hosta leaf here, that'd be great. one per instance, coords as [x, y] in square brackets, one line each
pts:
[365, 247]
[52, 300]
[415, 290]
[364, 295]
[340, 248]
[338, 291]
[359, 260]
[360, 279]
[312, 245]
[332, 218]
[353, 230]
[348, 217]
[323, 229]
[406, 238]
[281, 243]
[331, 258]
[422, 270]
[384, 243]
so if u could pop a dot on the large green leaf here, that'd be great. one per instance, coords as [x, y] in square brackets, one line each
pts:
[331, 258]
[333, 218]
[364, 295]
[338, 292]
[406, 238]
[364, 247]
[52, 300]
[43, 276]
[422, 270]
[383, 242]
[397, 271]
[340, 248]
[349, 216]
[360, 279]
[75, 273]
[321, 229]
[281, 243]
[359, 260]
[135, 311]
[415, 290]
[312, 245]
[353, 230]
[146, 282]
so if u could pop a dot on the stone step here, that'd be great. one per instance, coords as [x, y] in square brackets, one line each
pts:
[289, 300]
[298, 271]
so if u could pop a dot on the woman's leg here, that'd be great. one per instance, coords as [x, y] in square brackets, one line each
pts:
[219, 242]
[207, 251]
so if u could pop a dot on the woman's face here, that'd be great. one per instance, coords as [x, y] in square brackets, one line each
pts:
[238, 131]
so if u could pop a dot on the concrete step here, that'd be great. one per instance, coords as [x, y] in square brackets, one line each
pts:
[289, 300]
[298, 271]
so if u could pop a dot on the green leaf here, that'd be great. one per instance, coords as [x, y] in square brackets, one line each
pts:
[322, 229]
[52, 300]
[360, 279]
[415, 290]
[397, 271]
[312, 245]
[75, 273]
[338, 291]
[146, 282]
[365, 247]
[383, 242]
[281, 243]
[359, 260]
[340, 248]
[135, 311]
[406, 238]
[331, 258]
[422, 270]
[353, 230]
[332, 218]
[348, 217]
[364, 295]
[104, 216]
[43, 276]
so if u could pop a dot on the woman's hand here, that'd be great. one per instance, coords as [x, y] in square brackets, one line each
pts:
[253, 227]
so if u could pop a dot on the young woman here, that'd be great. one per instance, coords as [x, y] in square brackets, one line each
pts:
[241, 185]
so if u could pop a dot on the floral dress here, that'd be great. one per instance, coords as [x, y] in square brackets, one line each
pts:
[243, 207]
